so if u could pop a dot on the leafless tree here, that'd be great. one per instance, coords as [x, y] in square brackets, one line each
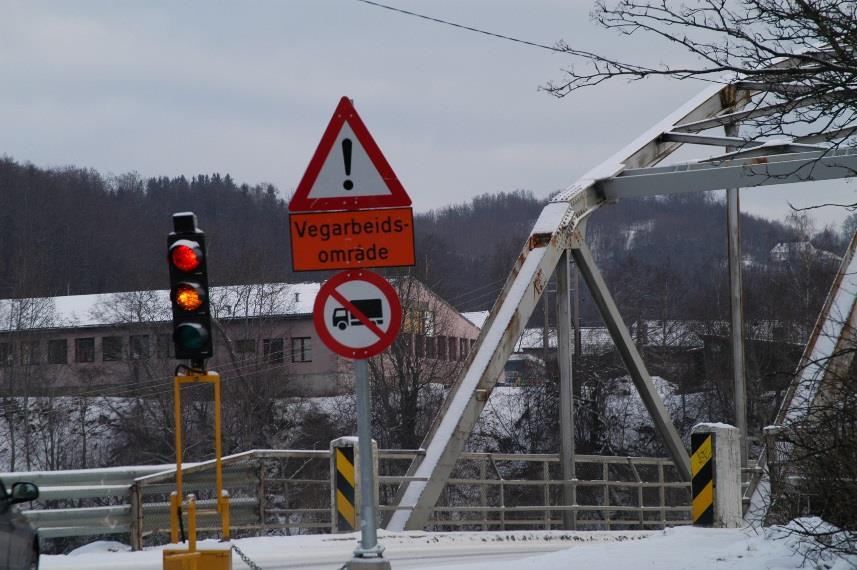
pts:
[408, 379]
[248, 319]
[19, 319]
[798, 55]
[813, 462]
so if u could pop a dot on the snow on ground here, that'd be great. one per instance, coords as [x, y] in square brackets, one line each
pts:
[310, 550]
[678, 548]
[675, 548]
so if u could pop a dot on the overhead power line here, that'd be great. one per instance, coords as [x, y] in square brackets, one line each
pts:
[463, 27]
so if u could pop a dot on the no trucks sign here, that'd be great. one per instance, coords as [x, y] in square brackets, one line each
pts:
[350, 210]
[357, 314]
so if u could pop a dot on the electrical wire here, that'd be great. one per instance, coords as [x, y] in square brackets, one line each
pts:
[463, 27]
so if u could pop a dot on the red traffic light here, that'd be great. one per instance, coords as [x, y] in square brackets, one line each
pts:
[186, 255]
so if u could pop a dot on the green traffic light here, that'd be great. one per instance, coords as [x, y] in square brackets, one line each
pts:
[191, 335]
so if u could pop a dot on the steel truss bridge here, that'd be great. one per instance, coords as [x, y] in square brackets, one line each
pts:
[710, 120]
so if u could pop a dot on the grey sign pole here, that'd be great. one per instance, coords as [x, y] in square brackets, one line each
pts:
[369, 553]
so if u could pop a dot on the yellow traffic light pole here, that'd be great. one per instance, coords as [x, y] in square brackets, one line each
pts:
[213, 559]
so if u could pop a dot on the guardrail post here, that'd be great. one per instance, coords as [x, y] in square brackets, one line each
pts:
[716, 469]
[662, 494]
[546, 493]
[483, 493]
[136, 517]
[772, 434]
[641, 517]
[606, 501]
[262, 501]
[345, 494]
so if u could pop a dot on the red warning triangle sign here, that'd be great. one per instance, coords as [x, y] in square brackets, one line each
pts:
[348, 170]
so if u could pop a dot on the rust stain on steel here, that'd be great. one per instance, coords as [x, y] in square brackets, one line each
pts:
[519, 262]
[538, 284]
[728, 96]
[759, 160]
[539, 240]
[512, 326]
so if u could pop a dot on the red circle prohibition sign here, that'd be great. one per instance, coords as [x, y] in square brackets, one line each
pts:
[364, 316]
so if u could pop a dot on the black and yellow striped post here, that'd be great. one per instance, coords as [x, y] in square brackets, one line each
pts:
[344, 489]
[702, 484]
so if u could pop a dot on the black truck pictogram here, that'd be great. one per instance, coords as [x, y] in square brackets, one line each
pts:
[371, 309]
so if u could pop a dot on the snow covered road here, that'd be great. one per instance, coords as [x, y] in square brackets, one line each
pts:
[406, 550]
[673, 549]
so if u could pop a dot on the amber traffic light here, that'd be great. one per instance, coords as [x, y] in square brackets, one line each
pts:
[189, 290]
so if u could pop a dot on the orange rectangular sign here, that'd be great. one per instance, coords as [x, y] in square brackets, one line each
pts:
[346, 240]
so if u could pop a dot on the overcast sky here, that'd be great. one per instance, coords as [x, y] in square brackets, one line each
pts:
[170, 88]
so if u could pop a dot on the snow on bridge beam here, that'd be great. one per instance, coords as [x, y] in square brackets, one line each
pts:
[735, 173]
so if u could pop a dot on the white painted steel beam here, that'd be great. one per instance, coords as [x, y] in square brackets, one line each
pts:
[828, 136]
[752, 113]
[736, 304]
[742, 173]
[564, 342]
[631, 357]
[710, 140]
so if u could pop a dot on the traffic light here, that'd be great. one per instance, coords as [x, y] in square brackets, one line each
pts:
[189, 290]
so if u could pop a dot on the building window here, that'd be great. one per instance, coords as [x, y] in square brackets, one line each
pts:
[58, 351]
[272, 349]
[139, 346]
[6, 354]
[246, 346]
[442, 348]
[419, 346]
[84, 350]
[301, 349]
[29, 352]
[111, 348]
[164, 346]
[453, 348]
[464, 349]
[431, 347]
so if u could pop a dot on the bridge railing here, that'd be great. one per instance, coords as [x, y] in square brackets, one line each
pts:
[288, 491]
[496, 491]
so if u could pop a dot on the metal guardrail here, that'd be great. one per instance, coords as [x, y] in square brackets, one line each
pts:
[613, 495]
[289, 491]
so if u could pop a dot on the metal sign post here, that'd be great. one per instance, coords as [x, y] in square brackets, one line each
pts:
[369, 546]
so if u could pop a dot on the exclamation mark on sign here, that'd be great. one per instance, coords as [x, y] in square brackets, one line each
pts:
[346, 156]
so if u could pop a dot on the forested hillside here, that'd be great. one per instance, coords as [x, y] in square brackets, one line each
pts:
[75, 231]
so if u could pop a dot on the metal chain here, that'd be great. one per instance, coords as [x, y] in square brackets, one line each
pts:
[246, 559]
